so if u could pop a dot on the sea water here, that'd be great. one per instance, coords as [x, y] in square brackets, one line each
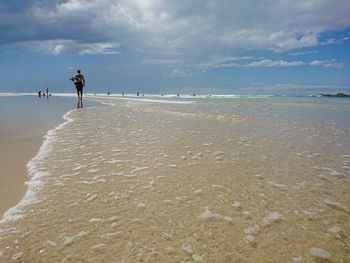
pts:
[229, 179]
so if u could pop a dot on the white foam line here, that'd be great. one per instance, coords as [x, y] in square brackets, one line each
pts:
[9, 94]
[103, 102]
[65, 94]
[35, 173]
[162, 101]
[145, 100]
[100, 98]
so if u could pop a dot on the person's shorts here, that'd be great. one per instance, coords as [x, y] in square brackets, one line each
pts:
[79, 86]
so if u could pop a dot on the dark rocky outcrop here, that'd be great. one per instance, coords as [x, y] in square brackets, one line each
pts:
[335, 95]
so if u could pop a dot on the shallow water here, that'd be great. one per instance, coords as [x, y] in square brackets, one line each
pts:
[21, 115]
[216, 180]
[24, 120]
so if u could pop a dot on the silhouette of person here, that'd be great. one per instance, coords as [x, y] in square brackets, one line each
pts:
[79, 82]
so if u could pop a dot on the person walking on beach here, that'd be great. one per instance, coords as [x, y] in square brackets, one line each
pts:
[79, 82]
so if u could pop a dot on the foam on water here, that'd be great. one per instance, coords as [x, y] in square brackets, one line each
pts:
[9, 94]
[35, 173]
[160, 101]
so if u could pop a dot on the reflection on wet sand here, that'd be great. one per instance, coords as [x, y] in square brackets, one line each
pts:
[79, 104]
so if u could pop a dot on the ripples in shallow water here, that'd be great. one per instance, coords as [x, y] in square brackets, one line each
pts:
[133, 183]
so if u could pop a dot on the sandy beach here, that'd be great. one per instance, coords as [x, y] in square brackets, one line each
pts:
[183, 180]
[174, 131]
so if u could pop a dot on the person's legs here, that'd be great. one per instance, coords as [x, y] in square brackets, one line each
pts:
[77, 91]
[80, 91]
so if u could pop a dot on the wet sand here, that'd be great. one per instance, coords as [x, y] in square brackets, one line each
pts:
[16, 151]
[24, 122]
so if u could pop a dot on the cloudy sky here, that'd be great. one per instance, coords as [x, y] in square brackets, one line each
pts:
[185, 46]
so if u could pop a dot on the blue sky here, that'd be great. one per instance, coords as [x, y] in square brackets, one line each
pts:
[161, 46]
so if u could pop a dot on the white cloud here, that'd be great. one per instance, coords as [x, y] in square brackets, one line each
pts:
[301, 53]
[327, 64]
[274, 63]
[248, 62]
[180, 26]
[58, 46]
[162, 61]
[251, 62]
[316, 63]
[224, 62]
[179, 73]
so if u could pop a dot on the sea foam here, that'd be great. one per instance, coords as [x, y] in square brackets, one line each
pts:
[35, 173]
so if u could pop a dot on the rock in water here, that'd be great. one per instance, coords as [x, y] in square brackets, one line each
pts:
[207, 214]
[197, 258]
[187, 248]
[252, 230]
[236, 204]
[335, 205]
[272, 217]
[335, 229]
[298, 259]
[249, 238]
[17, 255]
[319, 252]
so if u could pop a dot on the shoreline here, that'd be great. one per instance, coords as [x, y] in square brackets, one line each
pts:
[32, 172]
[21, 143]
[18, 152]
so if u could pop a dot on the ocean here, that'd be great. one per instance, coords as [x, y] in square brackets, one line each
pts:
[188, 179]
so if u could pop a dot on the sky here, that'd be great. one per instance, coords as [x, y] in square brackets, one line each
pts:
[170, 47]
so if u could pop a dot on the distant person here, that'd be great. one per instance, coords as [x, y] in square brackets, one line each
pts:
[79, 82]
[39, 93]
[47, 91]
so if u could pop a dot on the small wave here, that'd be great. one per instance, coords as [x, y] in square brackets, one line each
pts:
[146, 100]
[35, 173]
[164, 101]
[12, 94]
